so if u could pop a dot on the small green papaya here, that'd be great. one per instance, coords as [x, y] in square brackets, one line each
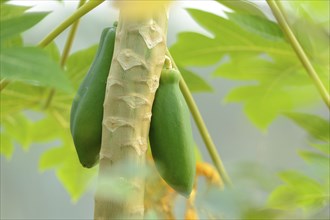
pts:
[170, 135]
[87, 108]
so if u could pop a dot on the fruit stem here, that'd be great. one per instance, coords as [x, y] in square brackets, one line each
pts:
[215, 156]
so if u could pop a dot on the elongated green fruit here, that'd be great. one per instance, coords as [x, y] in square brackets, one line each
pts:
[170, 135]
[87, 107]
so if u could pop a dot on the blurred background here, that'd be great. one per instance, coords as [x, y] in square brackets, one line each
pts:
[27, 193]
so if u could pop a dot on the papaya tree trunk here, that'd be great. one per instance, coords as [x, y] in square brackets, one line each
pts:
[133, 79]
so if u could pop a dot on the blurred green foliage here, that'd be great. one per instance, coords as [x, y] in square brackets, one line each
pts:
[252, 49]
[246, 46]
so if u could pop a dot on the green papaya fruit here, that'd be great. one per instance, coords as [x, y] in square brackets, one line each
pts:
[170, 135]
[87, 108]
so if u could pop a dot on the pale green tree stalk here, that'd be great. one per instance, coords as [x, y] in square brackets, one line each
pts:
[133, 80]
[299, 51]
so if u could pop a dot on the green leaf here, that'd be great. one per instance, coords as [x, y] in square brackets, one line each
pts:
[243, 6]
[316, 158]
[42, 131]
[300, 192]
[53, 51]
[9, 11]
[195, 82]
[69, 171]
[16, 41]
[316, 126]
[324, 148]
[79, 63]
[299, 180]
[75, 178]
[315, 42]
[314, 17]
[18, 96]
[32, 65]
[257, 25]
[18, 128]
[272, 72]
[262, 104]
[280, 89]
[14, 26]
[315, 12]
[246, 44]
[200, 54]
[64, 160]
[260, 214]
[283, 197]
[6, 145]
[51, 159]
[228, 38]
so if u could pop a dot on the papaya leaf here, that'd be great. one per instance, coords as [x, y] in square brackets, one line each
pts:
[316, 158]
[14, 26]
[18, 128]
[64, 161]
[51, 159]
[300, 191]
[79, 63]
[314, 17]
[263, 104]
[314, 125]
[228, 38]
[19, 96]
[16, 41]
[6, 145]
[76, 180]
[41, 130]
[261, 213]
[324, 148]
[69, 171]
[293, 177]
[53, 51]
[283, 197]
[195, 83]
[252, 49]
[32, 65]
[273, 71]
[243, 7]
[315, 12]
[257, 25]
[9, 11]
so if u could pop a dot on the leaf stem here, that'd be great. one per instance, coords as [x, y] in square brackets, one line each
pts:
[66, 51]
[72, 33]
[202, 127]
[299, 50]
[75, 16]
